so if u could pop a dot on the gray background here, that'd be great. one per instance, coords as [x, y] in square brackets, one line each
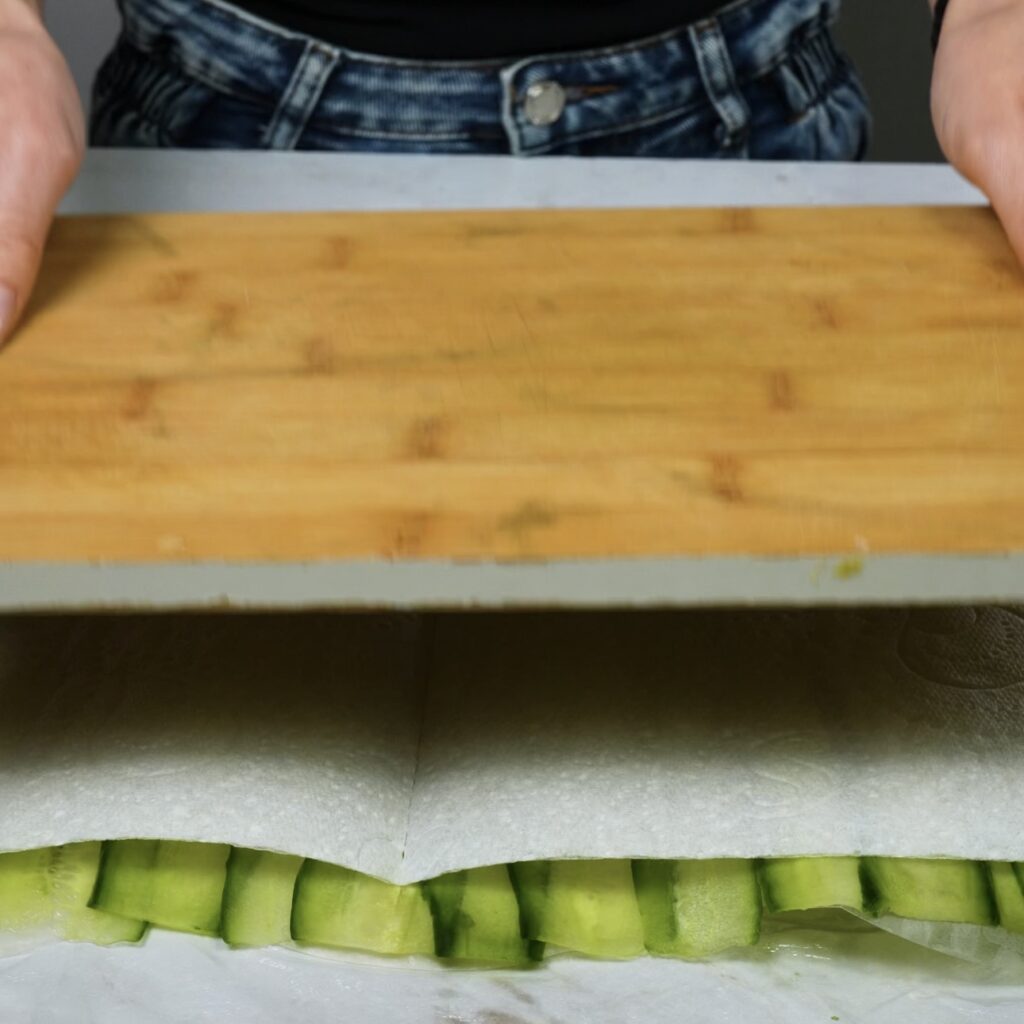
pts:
[887, 38]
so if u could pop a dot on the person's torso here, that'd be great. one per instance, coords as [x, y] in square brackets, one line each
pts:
[477, 29]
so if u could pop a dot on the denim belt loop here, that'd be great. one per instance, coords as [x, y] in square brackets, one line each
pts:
[509, 77]
[300, 99]
[719, 78]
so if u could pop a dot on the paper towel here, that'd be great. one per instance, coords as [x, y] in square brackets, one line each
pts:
[285, 733]
[807, 978]
[406, 747]
[722, 734]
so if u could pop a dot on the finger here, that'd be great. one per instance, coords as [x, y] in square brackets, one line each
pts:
[37, 168]
[21, 247]
[999, 172]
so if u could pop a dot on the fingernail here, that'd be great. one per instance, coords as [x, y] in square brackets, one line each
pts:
[8, 307]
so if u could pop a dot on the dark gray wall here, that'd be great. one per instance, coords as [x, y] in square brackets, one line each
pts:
[887, 38]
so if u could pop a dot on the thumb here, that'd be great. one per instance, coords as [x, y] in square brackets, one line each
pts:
[41, 147]
[998, 170]
[21, 247]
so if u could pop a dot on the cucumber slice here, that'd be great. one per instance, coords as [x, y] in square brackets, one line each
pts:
[807, 883]
[588, 906]
[476, 917]
[1018, 870]
[75, 870]
[343, 909]
[530, 881]
[48, 890]
[696, 908]
[929, 890]
[175, 885]
[1009, 897]
[26, 890]
[258, 895]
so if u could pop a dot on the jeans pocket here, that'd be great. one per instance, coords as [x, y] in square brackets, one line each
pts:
[691, 133]
[811, 106]
[138, 100]
[141, 100]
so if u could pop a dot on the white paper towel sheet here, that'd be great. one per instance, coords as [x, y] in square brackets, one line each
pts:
[807, 977]
[287, 733]
[717, 734]
[406, 747]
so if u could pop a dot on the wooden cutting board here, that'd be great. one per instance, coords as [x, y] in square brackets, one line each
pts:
[522, 385]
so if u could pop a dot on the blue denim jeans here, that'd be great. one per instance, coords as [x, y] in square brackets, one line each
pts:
[763, 79]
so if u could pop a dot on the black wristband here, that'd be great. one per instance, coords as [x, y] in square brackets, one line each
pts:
[940, 13]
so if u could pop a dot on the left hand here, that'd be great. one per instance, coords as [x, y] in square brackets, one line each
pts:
[978, 102]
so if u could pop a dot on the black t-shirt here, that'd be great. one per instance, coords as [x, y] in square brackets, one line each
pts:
[469, 29]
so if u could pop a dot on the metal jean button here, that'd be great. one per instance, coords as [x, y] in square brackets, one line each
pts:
[544, 103]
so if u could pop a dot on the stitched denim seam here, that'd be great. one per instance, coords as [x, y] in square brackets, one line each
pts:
[680, 31]
[141, 107]
[677, 110]
[369, 133]
[788, 53]
[785, 55]
[183, 69]
[618, 128]
[843, 75]
[144, 117]
[819, 63]
[722, 88]
[300, 99]
[826, 96]
[186, 69]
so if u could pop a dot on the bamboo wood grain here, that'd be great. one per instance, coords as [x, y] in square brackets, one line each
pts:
[517, 386]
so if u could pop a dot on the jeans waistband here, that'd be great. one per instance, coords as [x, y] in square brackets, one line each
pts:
[309, 81]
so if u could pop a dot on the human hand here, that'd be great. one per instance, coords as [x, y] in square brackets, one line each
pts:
[42, 141]
[978, 102]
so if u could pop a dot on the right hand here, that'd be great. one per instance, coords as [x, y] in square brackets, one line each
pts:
[42, 142]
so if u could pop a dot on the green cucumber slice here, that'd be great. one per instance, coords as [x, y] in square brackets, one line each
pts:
[588, 906]
[343, 909]
[1009, 897]
[807, 883]
[75, 870]
[530, 881]
[929, 890]
[175, 885]
[258, 893]
[476, 917]
[26, 890]
[48, 890]
[696, 908]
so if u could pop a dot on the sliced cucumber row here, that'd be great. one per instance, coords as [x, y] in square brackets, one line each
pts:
[507, 914]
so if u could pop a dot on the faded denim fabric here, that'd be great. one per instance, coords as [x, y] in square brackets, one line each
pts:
[763, 79]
